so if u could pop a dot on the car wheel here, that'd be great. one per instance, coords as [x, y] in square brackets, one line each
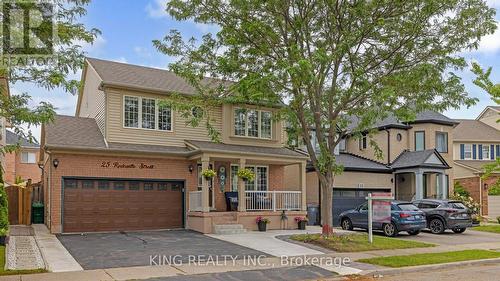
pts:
[390, 229]
[459, 230]
[414, 232]
[436, 226]
[346, 224]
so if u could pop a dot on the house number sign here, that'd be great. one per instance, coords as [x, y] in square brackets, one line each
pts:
[118, 165]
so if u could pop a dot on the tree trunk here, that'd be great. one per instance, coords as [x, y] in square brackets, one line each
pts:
[326, 204]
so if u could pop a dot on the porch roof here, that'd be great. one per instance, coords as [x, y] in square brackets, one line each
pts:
[205, 146]
[420, 159]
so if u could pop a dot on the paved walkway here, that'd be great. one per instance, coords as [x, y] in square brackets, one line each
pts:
[23, 253]
[56, 257]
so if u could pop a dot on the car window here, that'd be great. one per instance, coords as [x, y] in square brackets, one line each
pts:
[408, 207]
[363, 207]
[457, 205]
[427, 205]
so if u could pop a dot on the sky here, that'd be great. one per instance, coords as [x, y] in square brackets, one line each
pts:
[129, 26]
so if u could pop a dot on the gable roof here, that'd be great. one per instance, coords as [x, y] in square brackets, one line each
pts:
[475, 165]
[145, 78]
[489, 107]
[468, 130]
[12, 138]
[356, 163]
[425, 158]
[391, 121]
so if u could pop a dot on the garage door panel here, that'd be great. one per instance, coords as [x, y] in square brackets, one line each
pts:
[123, 205]
[349, 198]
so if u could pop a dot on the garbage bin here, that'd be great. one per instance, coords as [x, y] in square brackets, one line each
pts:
[37, 212]
[231, 201]
[313, 214]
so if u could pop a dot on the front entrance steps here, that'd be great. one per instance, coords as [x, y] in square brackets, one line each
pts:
[229, 229]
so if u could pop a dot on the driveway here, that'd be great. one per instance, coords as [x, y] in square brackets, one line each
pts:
[109, 250]
[451, 239]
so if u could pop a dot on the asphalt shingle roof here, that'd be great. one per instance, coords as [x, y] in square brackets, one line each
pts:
[474, 164]
[69, 131]
[12, 138]
[352, 162]
[409, 159]
[475, 130]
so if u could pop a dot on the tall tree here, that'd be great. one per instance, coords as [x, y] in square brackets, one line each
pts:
[330, 61]
[484, 82]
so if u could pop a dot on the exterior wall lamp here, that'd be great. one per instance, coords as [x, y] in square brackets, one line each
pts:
[55, 162]
[191, 168]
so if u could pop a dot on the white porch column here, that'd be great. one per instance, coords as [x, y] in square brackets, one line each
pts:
[419, 185]
[443, 188]
[205, 198]
[303, 187]
[241, 189]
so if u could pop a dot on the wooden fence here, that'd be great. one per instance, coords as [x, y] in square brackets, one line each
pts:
[20, 202]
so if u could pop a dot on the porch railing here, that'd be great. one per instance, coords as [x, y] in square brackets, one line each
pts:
[195, 200]
[273, 200]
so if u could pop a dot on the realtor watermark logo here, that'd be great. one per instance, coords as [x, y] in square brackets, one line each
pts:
[29, 32]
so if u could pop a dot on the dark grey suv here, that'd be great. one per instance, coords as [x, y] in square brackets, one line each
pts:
[445, 214]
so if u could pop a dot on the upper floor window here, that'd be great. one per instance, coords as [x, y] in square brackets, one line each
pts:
[467, 151]
[442, 142]
[252, 123]
[146, 113]
[486, 151]
[363, 142]
[419, 140]
[342, 145]
[28, 157]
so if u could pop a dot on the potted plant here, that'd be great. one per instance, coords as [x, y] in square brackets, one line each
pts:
[4, 215]
[301, 222]
[246, 174]
[209, 174]
[262, 223]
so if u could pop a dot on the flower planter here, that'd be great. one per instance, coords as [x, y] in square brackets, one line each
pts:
[302, 225]
[3, 240]
[262, 226]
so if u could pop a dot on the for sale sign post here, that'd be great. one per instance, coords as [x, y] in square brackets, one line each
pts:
[379, 209]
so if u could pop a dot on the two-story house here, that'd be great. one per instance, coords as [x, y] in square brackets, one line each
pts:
[477, 143]
[22, 164]
[414, 163]
[127, 162]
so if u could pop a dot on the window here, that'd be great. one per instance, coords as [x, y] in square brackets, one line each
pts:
[103, 185]
[148, 186]
[399, 137]
[162, 186]
[253, 123]
[363, 142]
[131, 118]
[200, 177]
[342, 146]
[119, 185]
[468, 151]
[260, 181]
[419, 140]
[133, 186]
[427, 205]
[146, 113]
[70, 184]
[486, 151]
[88, 184]
[442, 142]
[28, 157]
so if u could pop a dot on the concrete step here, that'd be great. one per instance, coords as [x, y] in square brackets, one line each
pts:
[229, 228]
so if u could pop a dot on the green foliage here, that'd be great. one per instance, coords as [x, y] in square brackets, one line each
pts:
[468, 202]
[209, 173]
[331, 62]
[246, 174]
[494, 190]
[498, 219]
[459, 190]
[4, 211]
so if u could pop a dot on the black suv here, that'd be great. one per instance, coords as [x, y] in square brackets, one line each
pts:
[445, 214]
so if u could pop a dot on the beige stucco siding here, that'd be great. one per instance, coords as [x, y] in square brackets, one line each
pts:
[462, 172]
[490, 118]
[117, 133]
[93, 101]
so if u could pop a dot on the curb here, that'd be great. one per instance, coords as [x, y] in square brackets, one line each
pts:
[411, 269]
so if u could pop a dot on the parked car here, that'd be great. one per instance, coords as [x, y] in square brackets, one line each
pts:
[404, 217]
[445, 214]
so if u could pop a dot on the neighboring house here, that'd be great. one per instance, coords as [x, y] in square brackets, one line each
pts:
[477, 143]
[414, 163]
[23, 163]
[126, 162]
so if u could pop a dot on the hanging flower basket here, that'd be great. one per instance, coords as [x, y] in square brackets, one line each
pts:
[209, 174]
[246, 174]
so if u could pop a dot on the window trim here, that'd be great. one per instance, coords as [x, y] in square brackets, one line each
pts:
[489, 152]
[139, 112]
[255, 179]
[436, 141]
[363, 142]
[27, 157]
[471, 153]
[259, 128]
[415, 141]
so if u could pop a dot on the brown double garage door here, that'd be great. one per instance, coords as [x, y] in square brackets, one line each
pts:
[91, 205]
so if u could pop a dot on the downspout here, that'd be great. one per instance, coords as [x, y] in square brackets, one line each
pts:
[480, 196]
[388, 146]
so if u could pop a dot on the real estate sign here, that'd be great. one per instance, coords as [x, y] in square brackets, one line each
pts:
[381, 211]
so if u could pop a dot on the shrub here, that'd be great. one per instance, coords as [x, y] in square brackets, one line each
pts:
[495, 190]
[460, 190]
[469, 203]
[4, 211]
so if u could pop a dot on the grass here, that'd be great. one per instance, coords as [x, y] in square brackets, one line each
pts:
[488, 228]
[432, 258]
[14, 272]
[357, 242]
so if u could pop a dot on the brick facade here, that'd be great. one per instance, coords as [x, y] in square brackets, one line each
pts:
[472, 185]
[80, 165]
[14, 168]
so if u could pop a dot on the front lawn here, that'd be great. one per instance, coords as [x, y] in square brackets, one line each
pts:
[14, 272]
[431, 258]
[488, 228]
[357, 242]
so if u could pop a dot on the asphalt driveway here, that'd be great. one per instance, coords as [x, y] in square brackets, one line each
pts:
[109, 250]
[450, 238]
